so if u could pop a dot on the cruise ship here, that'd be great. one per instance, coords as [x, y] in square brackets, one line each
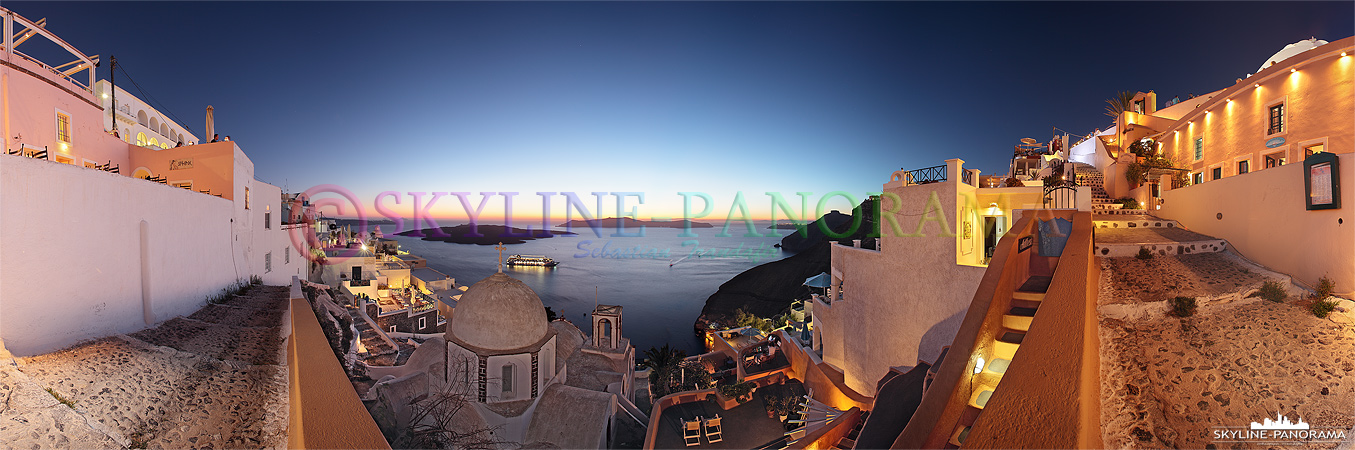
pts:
[531, 260]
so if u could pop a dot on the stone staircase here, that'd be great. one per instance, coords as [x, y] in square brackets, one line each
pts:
[1089, 176]
[849, 441]
[1126, 235]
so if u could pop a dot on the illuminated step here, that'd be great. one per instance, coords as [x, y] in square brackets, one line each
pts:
[981, 396]
[1021, 323]
[998, 366]
[1004, 350]
[957, 438]
[1029, 296]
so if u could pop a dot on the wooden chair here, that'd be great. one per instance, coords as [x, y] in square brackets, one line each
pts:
[712, 429]
[691, 434]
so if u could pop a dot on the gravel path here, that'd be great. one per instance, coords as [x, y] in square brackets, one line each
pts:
[1166, 382]
[200, 382]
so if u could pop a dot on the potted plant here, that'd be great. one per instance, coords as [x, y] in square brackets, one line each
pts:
[770, 401]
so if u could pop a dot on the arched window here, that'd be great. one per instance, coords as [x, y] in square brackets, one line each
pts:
[141, 118]
[164, 130]
[141, 139]
[126, 135]
[164, 145]
[155, 142]
[155, 124]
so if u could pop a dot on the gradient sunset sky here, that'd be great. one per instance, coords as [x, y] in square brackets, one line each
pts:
[660, 98]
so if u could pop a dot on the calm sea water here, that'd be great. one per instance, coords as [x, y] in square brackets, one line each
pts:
[660, 302]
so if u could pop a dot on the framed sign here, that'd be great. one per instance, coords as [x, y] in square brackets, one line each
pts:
[180, 164]
[1025, 243]
[1322, 181]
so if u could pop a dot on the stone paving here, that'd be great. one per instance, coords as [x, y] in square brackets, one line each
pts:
[200, 382]
[1167, 382]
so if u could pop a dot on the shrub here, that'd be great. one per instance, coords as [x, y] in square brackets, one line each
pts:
[737, 390]
[1272, 291]
[1182, 306]
[1322, 308]
[1325, 287]
[1013, 182]
[1144, 254]
[1128, 203]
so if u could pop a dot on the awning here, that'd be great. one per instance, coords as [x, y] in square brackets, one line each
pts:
[821, 280]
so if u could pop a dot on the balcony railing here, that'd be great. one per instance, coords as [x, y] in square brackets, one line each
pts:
[926, 175]
[967, 177]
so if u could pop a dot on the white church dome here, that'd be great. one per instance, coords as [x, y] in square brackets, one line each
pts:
[1291, 50]
[499, 313]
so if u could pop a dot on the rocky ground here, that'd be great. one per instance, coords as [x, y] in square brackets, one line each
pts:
[209, 381]
[1169, 382]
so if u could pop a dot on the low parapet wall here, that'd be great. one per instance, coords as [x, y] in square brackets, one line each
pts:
[325, 411]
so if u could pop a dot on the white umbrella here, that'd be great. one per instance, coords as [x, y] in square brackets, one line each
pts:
[210, 130]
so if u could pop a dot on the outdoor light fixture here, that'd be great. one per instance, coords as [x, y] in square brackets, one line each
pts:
[978, 366]
[1293, 70]
[1343, 53]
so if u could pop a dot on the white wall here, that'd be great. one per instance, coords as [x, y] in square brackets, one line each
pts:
[71, 266]
[1265, 219]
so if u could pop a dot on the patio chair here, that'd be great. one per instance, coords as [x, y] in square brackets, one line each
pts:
[712, 430]
[691, 433]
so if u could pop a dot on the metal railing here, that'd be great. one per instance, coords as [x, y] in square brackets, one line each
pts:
[926, 175]
[967, 177]
[1060, 197]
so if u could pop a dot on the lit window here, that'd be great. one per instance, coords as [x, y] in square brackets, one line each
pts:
[1274, 160]
[155, 142]
[141, 139]
[1199, 148]
[63, 127]
[1276, 119]
[1314, 149]
[246, 198]
[1197, 178]
[1243, 167]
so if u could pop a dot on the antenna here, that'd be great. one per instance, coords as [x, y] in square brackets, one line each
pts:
[595, 298]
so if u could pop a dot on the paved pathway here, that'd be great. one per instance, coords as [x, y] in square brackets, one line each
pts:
[1167, 382]
[212, 380]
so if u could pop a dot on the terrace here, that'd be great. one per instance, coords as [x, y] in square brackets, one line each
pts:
[744, 426]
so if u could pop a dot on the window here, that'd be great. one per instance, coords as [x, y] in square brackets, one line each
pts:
[1274, 160]
[63, 127]
[141, 139]
[1218, 172]
[1276, 119]
[1197, 178]
[267, 262]
[287, 255]
[1138, 107]
[268, 221]
[507, 379]
[1314, 149]
[392, 328]
[246, 197]
[423, 323]
[155, 142]
[1199, 148]
[1243, 166]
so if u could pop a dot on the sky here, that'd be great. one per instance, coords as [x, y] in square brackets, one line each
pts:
[733, 100]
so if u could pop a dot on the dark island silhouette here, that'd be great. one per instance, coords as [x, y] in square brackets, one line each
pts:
[488, 234]
[628, 222]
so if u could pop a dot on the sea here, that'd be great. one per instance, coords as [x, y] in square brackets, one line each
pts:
[660, 278]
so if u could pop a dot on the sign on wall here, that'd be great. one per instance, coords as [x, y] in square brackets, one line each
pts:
[1025, 243]
[1275, 142]
[1322, 181]
[179, 164]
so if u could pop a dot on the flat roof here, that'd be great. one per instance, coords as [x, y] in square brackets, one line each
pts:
[426, 274]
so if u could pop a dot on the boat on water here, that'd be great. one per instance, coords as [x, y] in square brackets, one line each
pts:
[531, 261]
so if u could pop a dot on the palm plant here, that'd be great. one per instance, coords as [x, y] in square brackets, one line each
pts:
[663, 357]
[1122, 102]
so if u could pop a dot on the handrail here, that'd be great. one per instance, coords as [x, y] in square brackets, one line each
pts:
[925, 175]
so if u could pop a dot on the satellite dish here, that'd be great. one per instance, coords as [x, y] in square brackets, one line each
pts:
[1028, 141]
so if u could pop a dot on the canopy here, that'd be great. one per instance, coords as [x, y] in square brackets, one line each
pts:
[821, 280]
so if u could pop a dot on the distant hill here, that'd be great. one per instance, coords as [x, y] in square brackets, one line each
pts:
[837, 222]
[489, 234]
[628, 222]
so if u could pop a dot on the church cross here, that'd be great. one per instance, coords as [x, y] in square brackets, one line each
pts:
[500, 248]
